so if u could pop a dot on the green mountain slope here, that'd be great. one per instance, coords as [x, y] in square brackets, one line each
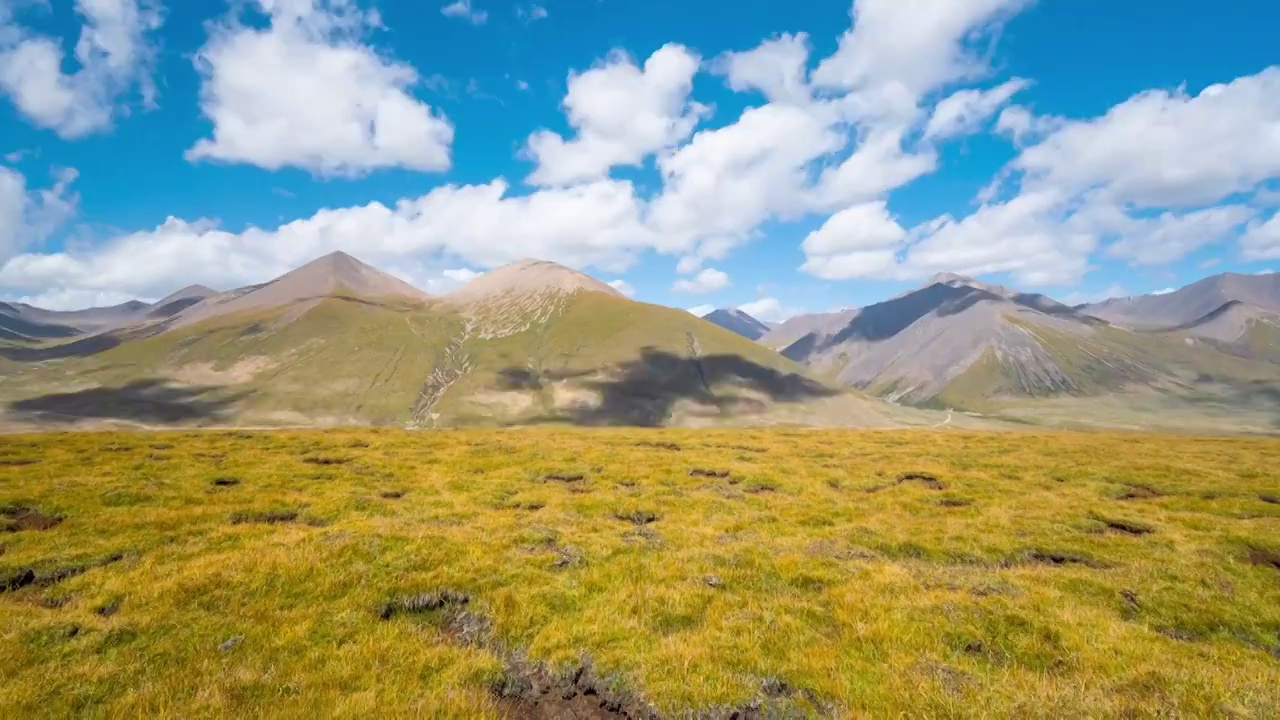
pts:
[533, 344]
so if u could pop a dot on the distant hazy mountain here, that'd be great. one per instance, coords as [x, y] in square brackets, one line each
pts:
[737, 321]
[338, 342]
[1192, 303]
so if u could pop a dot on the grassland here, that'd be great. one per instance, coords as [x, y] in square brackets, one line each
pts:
[819, 573]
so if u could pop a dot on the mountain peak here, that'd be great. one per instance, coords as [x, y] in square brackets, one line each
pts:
[528, 276]
[735, 320]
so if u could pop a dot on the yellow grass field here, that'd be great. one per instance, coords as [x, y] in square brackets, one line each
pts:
[576, 573]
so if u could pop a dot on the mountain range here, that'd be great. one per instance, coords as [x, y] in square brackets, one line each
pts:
[338, 342]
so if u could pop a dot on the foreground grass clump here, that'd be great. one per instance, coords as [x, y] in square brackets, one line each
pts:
[511, 573]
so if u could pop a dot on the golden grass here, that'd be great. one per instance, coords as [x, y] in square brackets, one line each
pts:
[1023, 587]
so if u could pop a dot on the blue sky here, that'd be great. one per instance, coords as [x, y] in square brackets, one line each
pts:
[793, 156]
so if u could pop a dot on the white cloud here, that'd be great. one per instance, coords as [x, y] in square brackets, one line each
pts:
[622, 114]
[461, 275]
[531, 14]
[623, 287]
[859, 241]
[707, 281]
[770, 310]
[1165, 291]
[964, 111]
[522, 86]
[115, 54]
[776, 67]
[597, 224]
[29, 216]
[897, 52]
[1023, 126]
[724, 183]
[1262, 240]
[462, 9]
[1169, 236]
[701, 310]
[1162, 149]
[305, 92]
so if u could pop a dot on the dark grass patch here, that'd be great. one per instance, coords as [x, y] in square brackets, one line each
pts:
[565, 477]
[161, 446]
[709, 473]
[19, 518]
[17, 462]
[391, 494]
[224, 482]
[423, 603]
[358, 444]
[925, 479]
[953, 502]
[1139, 492]
[45, 578]
[54, 602]
[1272, 499]
[1125, 527]
[1060, 559]
[638, 517]
[673, 447]
[761, 486]
[1263, 557]
[270, 517]
[108, 609]
[526, 505]
[326, 460]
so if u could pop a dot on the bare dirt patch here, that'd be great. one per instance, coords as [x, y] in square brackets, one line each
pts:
[271, 517]
[534, 691]
[673, 447]
[391, 494]
[925, 479]
[1139, 492]
[19, 518]
[55, 575]
[1059, 559]
[638, 517]
[224, 482]
[1272, 499]
[708, 473]
[1126, 527]
[1263, 557]
[423, 603]
[17, 462]
[326, 460]
[565, 477]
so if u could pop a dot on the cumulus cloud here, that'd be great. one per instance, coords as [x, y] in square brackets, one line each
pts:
[28, 216]
[115, 53]
[964, 111]
[896, 52]
[769, 310]
[1167, 149]
[306, 92]
[1145, 182]
[622, 113]
[706, 281]
[777, 68]
[463, 10]
[531, 13]
[859, 241]
[1262, 240]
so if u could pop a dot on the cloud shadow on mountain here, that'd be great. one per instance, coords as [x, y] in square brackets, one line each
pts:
[150, 400]
[643, 392]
